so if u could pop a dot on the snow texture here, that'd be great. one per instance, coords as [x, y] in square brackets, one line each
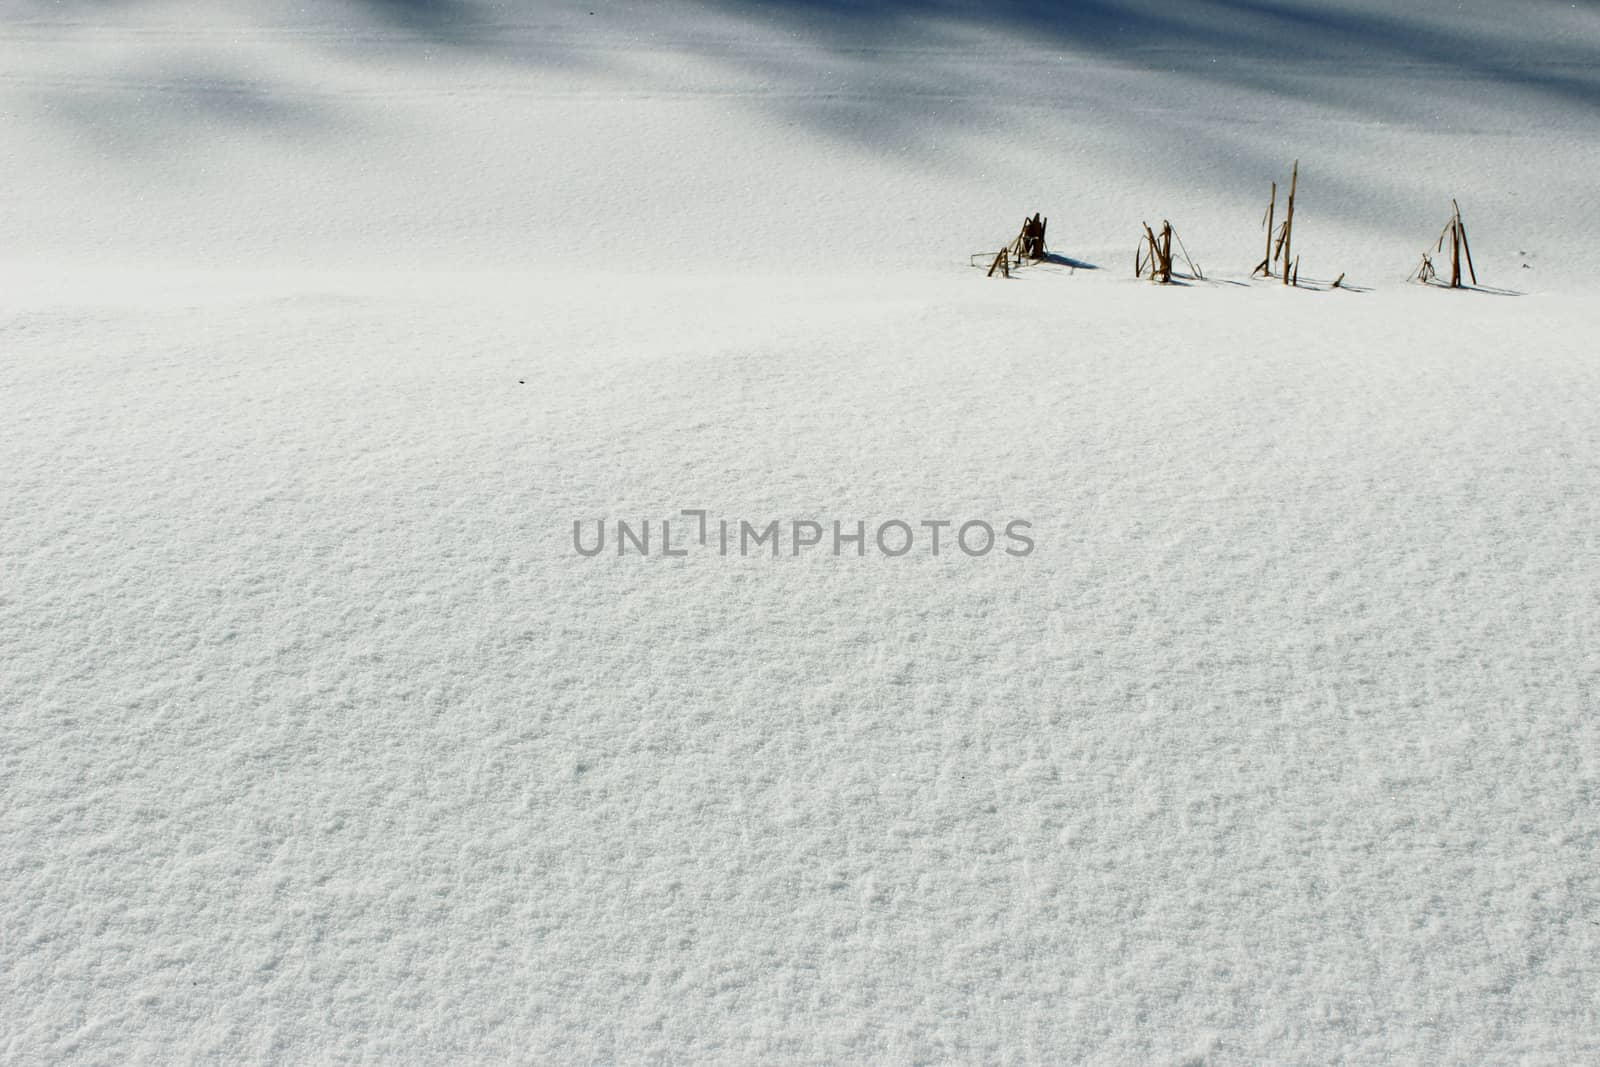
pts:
[320, 325]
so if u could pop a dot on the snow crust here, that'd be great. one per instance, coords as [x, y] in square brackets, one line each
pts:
[321, 324]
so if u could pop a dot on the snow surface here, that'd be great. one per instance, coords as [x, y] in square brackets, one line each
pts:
[321, 324]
